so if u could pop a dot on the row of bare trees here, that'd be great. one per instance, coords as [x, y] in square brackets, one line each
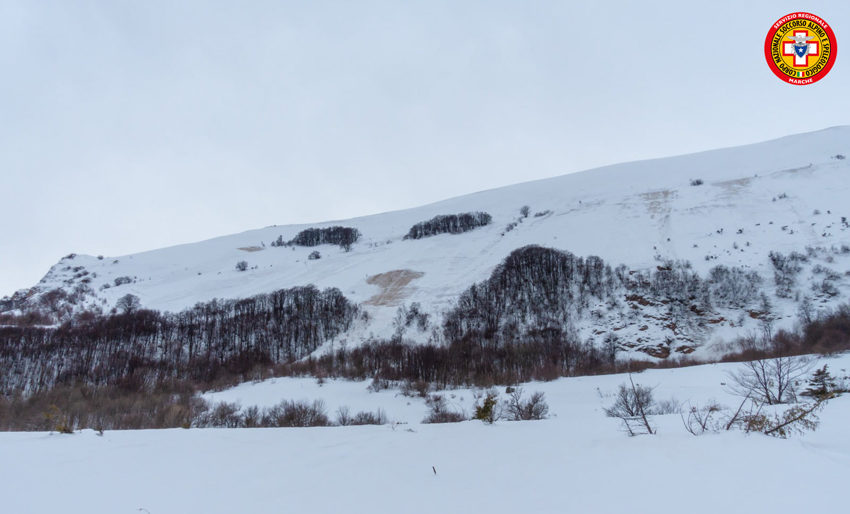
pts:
[140, 348]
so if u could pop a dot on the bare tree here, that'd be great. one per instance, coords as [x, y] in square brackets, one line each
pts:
[632, 405]
[770, 381]
[128, 303]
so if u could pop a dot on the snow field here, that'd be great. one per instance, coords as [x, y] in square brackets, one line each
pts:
[578, 460]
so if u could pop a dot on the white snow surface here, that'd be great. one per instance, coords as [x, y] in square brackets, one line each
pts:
[578, 460]
[781, 195]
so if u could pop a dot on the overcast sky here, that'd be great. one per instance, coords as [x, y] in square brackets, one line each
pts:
[128, 126]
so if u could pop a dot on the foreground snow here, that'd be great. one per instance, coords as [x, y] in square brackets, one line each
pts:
[576, 461]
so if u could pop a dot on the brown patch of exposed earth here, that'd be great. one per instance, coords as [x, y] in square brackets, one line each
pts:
[394, 286]
[251, 248]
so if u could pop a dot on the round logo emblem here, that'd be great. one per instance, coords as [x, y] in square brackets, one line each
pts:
[800, 48]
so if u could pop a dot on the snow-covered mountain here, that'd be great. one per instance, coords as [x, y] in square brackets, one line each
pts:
[731, 206]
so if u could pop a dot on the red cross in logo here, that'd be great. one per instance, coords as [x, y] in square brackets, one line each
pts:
[800, 36]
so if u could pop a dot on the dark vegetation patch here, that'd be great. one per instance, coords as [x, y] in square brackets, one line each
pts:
[140, 349]
[343, 237]
[449, 224]
[65, 409]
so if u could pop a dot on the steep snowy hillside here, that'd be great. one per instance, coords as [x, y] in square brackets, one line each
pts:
[731, 207]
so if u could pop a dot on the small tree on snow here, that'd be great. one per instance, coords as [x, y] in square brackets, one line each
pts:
[128, 303]
[821, 385]
[632, 405]
[241, 265]
[487, 407]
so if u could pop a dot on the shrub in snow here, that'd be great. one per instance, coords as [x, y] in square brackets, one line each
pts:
[696, 182]
[344, 417]
[414, 388]
[241, 265]
[795, 420]
[517, 409]
[449, 224]
[487, 407]
[440, 412]
[406, 317]
[785, 272]
[297, 414]
[120, 281]
[821, 385]
[733, 287]
[314, 255]
[703, 419]
[632, 404]
[223, 415]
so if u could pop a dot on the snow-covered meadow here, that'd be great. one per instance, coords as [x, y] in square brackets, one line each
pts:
[577, 460]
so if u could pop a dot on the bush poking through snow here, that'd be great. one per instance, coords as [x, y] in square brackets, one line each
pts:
[795, 420]
[822, 385]
[223, 415]
[297, 414]
[241, 265]
[344, 417]
[703, 419]
[487, 407]
[534, 408]
[120, 281]
[440, 412]
[633, 403]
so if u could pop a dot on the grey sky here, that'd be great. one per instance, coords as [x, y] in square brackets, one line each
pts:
[129, 126]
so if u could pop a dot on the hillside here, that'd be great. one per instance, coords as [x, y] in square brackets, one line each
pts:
[787, 195]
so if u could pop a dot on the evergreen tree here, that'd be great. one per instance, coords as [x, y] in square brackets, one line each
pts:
[821, 385]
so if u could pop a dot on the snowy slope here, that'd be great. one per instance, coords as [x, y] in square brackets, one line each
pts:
[578, 460]
[781, 195]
